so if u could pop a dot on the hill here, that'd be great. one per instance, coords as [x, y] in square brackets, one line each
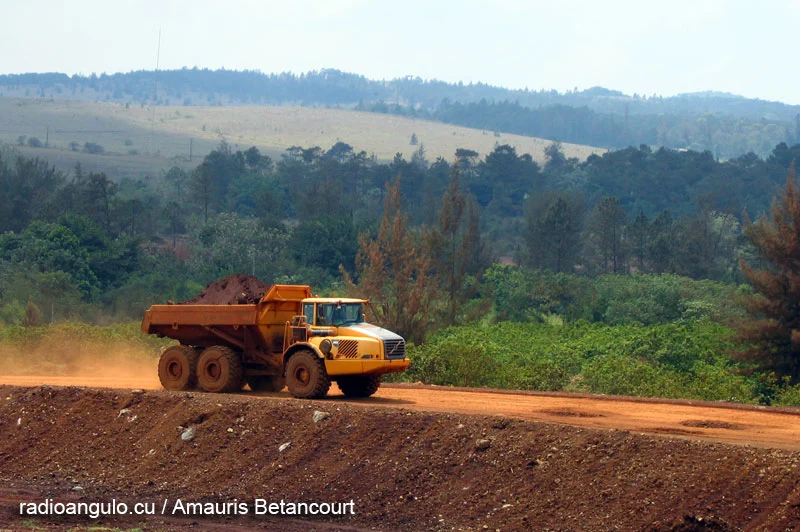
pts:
[139, 139]
[725, 124]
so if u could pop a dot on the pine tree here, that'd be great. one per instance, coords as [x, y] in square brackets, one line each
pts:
[457, 244]
[774, 327]
[393, 271]
[607, 229]
[639, 233]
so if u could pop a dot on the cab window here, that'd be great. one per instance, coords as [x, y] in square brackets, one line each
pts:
[308, 312]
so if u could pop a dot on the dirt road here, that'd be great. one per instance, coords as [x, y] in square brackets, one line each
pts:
[735, 424]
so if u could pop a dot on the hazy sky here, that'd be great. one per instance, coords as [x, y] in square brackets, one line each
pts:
[667, 47]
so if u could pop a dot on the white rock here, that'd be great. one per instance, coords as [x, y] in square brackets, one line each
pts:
[320, 416]
[188, 434]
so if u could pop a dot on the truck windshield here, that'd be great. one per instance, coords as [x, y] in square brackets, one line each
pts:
[339, 314]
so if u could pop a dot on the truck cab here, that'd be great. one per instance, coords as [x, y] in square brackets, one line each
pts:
[355, 353]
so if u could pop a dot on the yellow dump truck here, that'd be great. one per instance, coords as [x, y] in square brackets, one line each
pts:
[288, 338]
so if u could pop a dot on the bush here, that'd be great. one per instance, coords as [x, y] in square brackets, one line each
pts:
[12, 313]
[93, 148]
[677, 360]
[34, 142]
[456, 361]
[524, 295]
[788, 396]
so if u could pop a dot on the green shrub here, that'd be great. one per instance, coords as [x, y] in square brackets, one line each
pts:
[686, 359]
[788, 396]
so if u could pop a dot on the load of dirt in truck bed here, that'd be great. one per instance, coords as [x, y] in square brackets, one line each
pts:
[236, 289]
[404, 470]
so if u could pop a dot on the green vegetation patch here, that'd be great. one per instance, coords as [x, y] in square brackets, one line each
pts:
[675, 360]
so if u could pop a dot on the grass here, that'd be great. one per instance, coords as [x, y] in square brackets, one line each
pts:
[161, 135]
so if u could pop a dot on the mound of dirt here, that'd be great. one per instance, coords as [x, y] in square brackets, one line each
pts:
[236, 289]
[404, 470]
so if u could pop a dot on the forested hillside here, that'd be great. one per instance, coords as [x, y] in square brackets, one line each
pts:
[726, 125]
[123, 244]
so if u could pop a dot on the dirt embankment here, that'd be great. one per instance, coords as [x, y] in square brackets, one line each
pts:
[405, 470]
[232, 290]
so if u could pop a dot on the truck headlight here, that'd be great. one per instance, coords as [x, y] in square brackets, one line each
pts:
[325, 347]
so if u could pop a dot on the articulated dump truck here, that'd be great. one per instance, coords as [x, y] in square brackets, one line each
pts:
[287, 338]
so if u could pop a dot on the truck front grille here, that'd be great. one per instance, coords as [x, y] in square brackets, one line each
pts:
[395, 348]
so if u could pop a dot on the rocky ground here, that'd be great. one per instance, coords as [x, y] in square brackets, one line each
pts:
[404, 470]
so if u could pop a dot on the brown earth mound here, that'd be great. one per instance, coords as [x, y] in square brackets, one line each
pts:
[404, 470]
[233, 290]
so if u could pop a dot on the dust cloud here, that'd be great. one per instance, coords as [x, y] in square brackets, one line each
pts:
[62, 359]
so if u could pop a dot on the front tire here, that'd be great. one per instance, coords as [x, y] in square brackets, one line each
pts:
[266, 383]
[177, 368]
[359, 385]
[219, 369]
[306, 376]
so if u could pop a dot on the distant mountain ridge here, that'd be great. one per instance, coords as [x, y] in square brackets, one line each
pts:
[728, 125]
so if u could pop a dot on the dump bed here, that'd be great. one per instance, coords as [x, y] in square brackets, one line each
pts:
[205, 325]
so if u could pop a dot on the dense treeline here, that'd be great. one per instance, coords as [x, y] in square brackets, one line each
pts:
[80, 243]
[724, 136]
[333, 87]
[723, 124]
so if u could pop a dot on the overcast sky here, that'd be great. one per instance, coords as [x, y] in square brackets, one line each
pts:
[666, 48]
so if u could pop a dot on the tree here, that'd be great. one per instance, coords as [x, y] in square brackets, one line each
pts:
[774, 325]
[229, 243]
[46, 247]
[176, 178]
[93, 148]
[556, 159]
[325, 243]
[505, 181]
[661, 244]
[200, 185]
[393, 272]
[638, 234]
[553, 231]
[456, 243]
[607, 227]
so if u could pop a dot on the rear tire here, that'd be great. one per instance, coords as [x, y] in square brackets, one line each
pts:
[266, 383]
[219, 369]
[306, 376]
[359, 385]
[177, 368]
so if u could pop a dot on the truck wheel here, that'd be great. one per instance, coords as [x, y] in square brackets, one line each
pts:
[306, 376]
[359, 385]
[266, 383]
[219, 369]
[177, 367]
